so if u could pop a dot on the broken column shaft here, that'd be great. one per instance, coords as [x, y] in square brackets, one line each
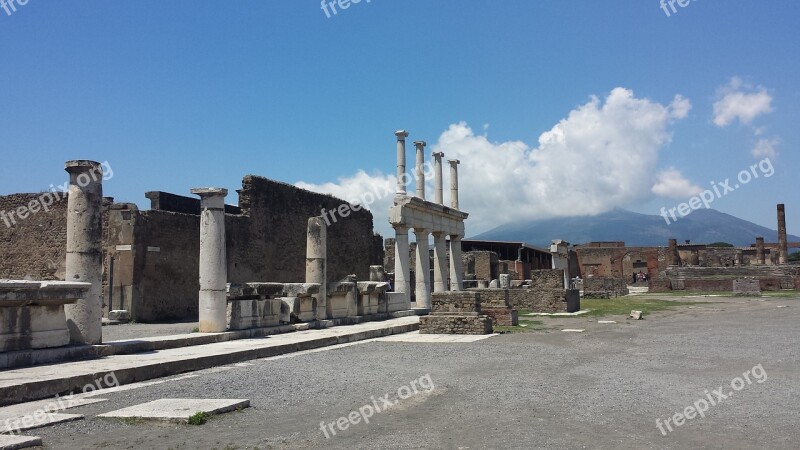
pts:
[85, 249]
[316, 262]
[213, 260]
[454, 183]
[437, 178]
[783, 249]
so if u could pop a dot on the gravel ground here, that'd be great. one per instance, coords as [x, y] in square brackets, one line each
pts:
[603, 388]
[142, 330]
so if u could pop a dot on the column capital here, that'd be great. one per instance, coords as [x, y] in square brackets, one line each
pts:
[209, 192]
[401, 135]
[420, 144]
[454, 162]
[438, 154]
[421, 231]
[81, 165]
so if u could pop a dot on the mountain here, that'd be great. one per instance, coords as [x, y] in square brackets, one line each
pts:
[702, 226]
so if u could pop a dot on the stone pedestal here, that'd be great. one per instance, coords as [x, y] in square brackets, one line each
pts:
[213, 260]
[85, 249]
[32, 313]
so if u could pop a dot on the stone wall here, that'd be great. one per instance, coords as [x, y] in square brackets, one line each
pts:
[605, 287]
[455, 312]
[538, 300]
[720, 279]
[547, 279]
[155, 253]
[34, 247]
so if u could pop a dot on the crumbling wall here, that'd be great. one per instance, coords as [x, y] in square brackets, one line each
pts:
[35, 247]
[547, 279]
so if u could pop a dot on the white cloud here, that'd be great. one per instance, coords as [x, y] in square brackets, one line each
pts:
[765, 148]
[603, 155]
[671, 183]
[738, 100]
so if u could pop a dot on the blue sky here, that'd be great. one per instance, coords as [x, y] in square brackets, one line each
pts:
[184, 93]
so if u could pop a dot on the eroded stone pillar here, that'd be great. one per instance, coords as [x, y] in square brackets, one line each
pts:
[402, 270]
[437, 178]
[454, 183]
[85, 249]
[783, 249]
[456, 270]
[420, 169]
[672, 253]
[760, 258]
[423, 282]
[401, 160]
[316, 262]
[439, 262]
[213, 260]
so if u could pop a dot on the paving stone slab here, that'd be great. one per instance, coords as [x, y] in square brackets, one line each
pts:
[177, 409]
[12, 442]
[415, 336]
[36, 420]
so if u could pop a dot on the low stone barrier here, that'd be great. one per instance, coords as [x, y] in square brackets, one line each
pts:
[455, 312]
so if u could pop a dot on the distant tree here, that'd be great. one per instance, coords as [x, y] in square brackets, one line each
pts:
[719, 244]
[794, 256]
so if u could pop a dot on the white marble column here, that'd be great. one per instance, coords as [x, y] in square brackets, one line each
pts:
[401, 160]
[213, 260]
[402, 270]
[419, 171]
[423, 288]
[454, 183]
[316, 262]
[439, 262]
[456, 270]
[437, 178]
[85, 249]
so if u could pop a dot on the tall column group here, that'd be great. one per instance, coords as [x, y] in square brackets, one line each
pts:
[423, 284]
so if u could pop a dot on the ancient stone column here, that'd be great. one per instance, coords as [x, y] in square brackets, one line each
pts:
[456, 270]
[437, 178]
[213, 260]
[760, 258]
[423, 282]
[420, 172]
[783, 249]
[316, 262]
[401, 160]
[85, 249]
[454, 184]
[672, 253]
[402, 271]
[439, 262]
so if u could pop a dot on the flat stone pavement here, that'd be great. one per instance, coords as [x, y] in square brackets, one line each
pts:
[38, 382]
[603, 388]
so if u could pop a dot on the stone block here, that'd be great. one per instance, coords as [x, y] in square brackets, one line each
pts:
[254, 313]
[746, 287]
[636, 315]
[397, 301]
[455, 324]
[120, 315]
[303, 309]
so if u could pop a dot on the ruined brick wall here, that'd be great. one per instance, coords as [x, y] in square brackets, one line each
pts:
[547, 279]
[613, 286]
[274, 250]
[33, 247]
[156, 252]
[486, 265]
[538, 300]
